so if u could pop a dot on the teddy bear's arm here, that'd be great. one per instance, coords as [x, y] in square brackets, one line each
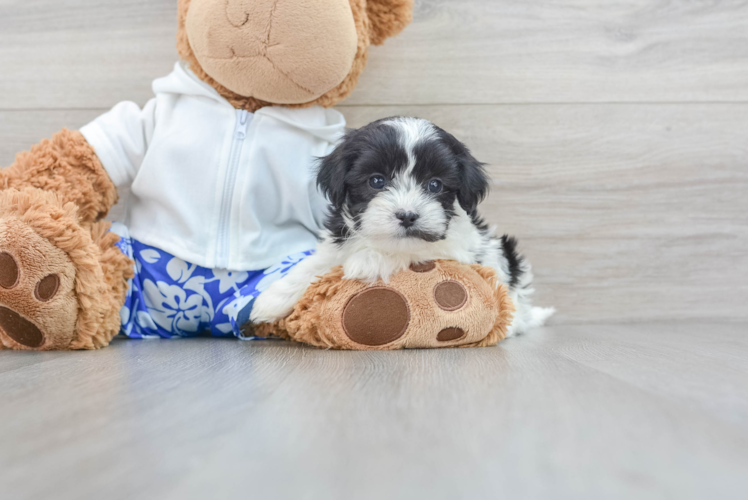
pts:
[67, 165]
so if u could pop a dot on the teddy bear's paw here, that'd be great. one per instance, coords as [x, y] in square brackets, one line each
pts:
[431, 305]
[38, 305]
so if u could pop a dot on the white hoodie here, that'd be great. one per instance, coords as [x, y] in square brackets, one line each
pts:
[213, 185]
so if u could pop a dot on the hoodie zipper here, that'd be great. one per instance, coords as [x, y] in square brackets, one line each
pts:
[237, 144]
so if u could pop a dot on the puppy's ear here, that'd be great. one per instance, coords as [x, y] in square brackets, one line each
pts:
[474, 182]
[331, 175]
[388, 18]
[475, 185]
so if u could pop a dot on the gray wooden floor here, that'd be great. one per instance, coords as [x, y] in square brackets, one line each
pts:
[648, 411]
[616, 135]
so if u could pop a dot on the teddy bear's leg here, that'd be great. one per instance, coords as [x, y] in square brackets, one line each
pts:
[61, 284]
[68, 166]
[59, 279]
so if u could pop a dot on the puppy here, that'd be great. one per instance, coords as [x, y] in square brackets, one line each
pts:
[403, 191]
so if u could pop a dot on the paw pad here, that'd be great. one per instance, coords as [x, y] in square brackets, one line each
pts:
[423, 267]
[450, 334]
[376, 316]
[20, 329]
[450, 295]
[47, 288]
[9, 274]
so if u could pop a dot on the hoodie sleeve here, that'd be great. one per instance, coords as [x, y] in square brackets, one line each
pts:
[121, 138]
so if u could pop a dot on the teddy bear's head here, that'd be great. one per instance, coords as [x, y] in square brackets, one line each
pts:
[295, 53]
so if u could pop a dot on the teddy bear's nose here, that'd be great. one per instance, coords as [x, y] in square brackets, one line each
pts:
[238, 12]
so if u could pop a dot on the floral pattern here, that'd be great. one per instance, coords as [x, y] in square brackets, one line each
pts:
[169, 297]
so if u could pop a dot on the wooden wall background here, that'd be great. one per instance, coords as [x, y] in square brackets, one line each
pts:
[616, 132]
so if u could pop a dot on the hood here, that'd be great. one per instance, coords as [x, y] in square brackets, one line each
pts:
[326, 124]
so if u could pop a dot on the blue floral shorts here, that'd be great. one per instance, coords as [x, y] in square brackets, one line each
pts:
[169, 297]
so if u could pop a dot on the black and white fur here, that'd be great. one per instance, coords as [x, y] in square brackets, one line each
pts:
[403, 191]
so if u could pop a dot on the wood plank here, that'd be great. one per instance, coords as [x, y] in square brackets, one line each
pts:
[627, 212]
[19, 130]
[503, 51]
[85, 53]
[396, 432]
[129, 419]
[676, 361]
[221, 418]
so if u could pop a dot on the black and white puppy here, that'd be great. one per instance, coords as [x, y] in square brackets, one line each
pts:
[403, 191]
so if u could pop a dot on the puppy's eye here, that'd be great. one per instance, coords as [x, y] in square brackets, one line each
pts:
[435, 186]
[377, 182]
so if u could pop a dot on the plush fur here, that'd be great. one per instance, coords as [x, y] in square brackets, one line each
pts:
[404, 191]
[388, 18]
[51, 204]
[272, 49]
[67, 165]
[45, 235]
[317, 318]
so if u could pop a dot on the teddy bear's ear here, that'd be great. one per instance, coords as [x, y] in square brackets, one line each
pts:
[388, 18]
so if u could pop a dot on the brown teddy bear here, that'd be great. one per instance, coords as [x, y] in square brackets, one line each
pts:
[220, 169]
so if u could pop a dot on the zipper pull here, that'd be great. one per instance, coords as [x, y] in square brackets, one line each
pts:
[242, 124]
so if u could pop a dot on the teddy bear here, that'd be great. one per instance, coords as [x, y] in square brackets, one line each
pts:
[223, 200]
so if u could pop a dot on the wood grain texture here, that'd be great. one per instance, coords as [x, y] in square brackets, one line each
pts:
[568, 412]
[627, 212]
[558, 51]
[85, 53]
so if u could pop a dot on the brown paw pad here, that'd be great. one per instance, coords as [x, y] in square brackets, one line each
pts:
[47, 288]
[450, 295]
[450, 334]
[423, 267]
[376, 316]
[20, 329]
[9, 274]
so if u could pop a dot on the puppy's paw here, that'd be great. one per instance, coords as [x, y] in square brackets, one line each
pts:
[271, 306]
[368, 266]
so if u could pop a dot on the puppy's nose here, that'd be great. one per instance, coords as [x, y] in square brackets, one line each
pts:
[407, 219]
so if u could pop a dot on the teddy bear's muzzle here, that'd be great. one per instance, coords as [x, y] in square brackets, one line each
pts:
[280, 51]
